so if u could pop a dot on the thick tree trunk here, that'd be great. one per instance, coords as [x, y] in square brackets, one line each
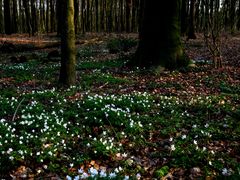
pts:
[7, 17]
[160, 43]
[68, 49]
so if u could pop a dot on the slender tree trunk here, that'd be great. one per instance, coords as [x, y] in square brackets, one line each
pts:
[160, 46]
[116, 17]
[68, 49]
[47, 17]
[83, 20]
[233, 15]
[14, 17]
[128, 13]
[1, 18]
[59, 16]
[122, 19]
[87, 17]
[76, 16]
[7, 17]
[27, 15]
[33, 18]
[191, 30]
[52, 16]
[238, 22]
[22, 16]
[226, 8]
[184, 17]
[110, 16]
[102, 11]
[133, 22]
[96, 15]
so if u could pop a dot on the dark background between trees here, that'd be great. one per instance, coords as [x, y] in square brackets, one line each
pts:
[43, 16]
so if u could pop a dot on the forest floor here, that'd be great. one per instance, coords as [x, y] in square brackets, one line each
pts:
[117, 122]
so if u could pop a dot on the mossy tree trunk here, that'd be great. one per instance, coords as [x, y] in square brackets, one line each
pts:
[159, 36]
[68, 49]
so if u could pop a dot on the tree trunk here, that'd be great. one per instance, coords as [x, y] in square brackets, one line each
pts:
[128, 10]
[47, 17]
[184, 17]
[22, 18]
[68, 49]
[7, 17]
[33, 18]
[233, 15]
[191, 30]
[14, 17]
[160, 45]
[52, 16]
[96, 16]
[27, 15]
[1, 18]
[76, 15]
[83, 20]
[59, 16]
[110, 16]
[238, 22]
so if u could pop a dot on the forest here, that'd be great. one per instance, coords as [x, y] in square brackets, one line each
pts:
[119, 89]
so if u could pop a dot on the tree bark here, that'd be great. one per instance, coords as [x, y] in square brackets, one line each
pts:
[52, 16]
[160, 45]
[33, 18]
[1, 18]
[233, 15]
[68, 49]
[238, 22]
[7, 17]
[184, 17]
[76, 16]
[96, 15]
[191, 28]
[128, 12]
[14, 17]
[47, 16]
[59, 16]
[27, 15]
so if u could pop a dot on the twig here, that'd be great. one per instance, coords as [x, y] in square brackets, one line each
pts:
[17, 109]
[103, 85]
